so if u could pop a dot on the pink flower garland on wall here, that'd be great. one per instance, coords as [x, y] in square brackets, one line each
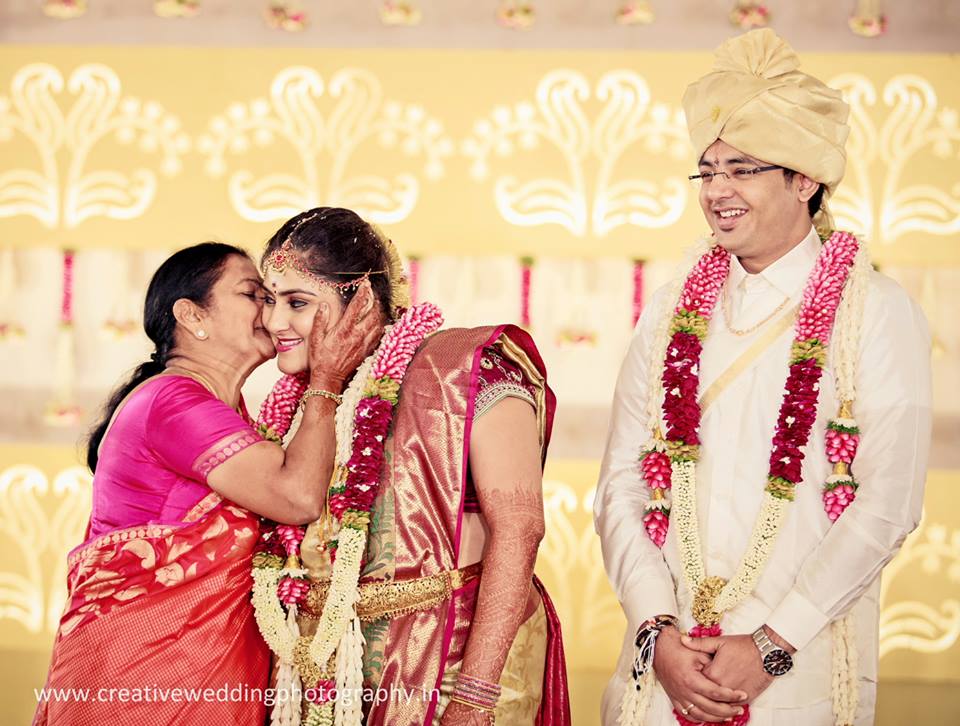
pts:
[66, 300]
[63, 409]
[413, 279]
[526, 274]
[637, 291]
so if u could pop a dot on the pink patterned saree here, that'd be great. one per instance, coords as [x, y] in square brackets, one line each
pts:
[158, 627]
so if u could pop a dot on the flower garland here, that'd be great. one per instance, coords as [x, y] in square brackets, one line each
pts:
[748, 14]
[868, 21]
[636, 12]
[63, 409]
[842, 440]
[637, 303]
[176, 8]
[64, 9]
[516, 14]
[669, 463]
[282, 15]
[399, 12]
[278, 409]
[331, 661]
[526, 274]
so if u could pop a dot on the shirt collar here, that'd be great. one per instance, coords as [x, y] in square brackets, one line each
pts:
[786, 274]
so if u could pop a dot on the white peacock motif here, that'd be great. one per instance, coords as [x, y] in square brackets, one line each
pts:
[325, 137]
[916, 124]
[63, 122]
[913, 624]
[592, 192]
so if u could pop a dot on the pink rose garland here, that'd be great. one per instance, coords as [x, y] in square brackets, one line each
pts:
[278, 409]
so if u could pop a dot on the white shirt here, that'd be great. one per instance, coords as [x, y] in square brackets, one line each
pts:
[816, 571]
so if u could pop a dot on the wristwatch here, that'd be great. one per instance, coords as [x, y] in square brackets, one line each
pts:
[776, 661]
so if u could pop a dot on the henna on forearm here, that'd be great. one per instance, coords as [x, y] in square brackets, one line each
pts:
[516, 521]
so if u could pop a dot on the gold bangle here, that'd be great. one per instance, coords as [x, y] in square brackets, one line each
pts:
[489, 711]
[311, 392]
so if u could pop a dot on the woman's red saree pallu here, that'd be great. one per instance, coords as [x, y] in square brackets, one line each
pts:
[162, 611]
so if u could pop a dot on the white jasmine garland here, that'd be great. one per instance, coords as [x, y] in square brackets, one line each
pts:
[349, 676]
[286, 711]
[772, 513]
[845, 347]
[271, 619]
[635, 703]
[319, 715]
[338, 610]
[683, 475]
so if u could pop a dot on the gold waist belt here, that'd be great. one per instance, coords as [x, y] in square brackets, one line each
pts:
[391, 599]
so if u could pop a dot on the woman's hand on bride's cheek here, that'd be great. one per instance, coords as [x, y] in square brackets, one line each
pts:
[337, 351]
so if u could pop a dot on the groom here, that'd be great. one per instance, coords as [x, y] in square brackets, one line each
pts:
[796, 562]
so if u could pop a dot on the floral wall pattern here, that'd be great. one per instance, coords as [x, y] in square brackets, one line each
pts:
[530, 152]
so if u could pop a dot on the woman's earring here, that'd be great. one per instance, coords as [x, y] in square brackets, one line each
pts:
[202, 334]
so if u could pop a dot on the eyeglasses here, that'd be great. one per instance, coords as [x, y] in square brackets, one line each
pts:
[740, 174]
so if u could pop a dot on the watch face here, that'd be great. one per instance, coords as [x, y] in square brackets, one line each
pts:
[777, 662]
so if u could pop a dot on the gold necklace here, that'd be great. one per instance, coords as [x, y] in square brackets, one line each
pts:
[727, 316]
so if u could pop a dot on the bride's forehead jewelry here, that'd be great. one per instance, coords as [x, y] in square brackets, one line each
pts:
[286, 257]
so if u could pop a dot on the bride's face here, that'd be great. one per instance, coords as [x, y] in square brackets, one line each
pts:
[291, 304]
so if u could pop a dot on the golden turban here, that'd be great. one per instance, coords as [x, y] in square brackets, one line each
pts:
[757, 100]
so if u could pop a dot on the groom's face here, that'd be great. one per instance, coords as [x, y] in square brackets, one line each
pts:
[747, 211]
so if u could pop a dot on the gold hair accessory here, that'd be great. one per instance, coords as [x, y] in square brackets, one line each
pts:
[285, 256]
[399, 284]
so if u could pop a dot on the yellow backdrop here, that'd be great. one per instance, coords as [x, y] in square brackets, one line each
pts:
[549, 154]
[520, 152]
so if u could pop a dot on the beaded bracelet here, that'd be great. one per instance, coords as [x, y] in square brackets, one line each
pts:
[310, 392]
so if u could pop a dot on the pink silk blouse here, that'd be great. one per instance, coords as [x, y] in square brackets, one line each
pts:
[168, 436]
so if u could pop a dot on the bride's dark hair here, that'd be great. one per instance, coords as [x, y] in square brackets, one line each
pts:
[333, 239]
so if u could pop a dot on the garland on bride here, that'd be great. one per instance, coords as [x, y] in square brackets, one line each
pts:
[832, 302]
[331, 661]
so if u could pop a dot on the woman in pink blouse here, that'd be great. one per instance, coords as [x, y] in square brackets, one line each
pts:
[158, 624]
[449, 607]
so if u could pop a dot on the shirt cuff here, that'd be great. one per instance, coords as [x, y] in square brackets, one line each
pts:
[648, 599]
[797, 620]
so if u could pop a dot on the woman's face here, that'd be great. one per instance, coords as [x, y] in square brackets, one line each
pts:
[292, 303]
[233, 316]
